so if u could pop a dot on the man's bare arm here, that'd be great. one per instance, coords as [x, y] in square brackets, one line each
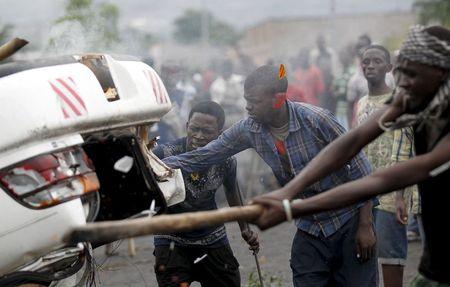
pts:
[386, 180]
[229, 143]
[336, 154]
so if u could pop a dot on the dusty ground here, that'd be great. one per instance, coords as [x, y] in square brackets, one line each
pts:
[123, 270]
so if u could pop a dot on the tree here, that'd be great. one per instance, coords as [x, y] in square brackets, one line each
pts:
[188, 27]
[109, 23]
[433, 11]
[86, 27]
[194, 26]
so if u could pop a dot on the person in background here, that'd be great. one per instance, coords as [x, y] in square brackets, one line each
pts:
[307, 81]
[188, 90]
[202, 94]
[227, 90]
[357, 85]
[340, 86]
[391, 215]
[326, 60]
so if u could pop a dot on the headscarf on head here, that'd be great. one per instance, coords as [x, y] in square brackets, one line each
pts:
[421, 47]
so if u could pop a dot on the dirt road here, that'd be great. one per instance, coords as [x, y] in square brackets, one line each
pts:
[123, 270]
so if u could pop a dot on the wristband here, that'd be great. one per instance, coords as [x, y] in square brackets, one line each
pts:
[287, 209]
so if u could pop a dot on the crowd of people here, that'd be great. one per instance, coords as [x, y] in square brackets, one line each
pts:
[347, 219]
[317, 75]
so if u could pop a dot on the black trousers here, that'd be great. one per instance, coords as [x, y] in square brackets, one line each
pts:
[331, 261]
[187, 264]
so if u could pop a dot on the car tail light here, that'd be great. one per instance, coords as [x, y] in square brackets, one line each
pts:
[49, 179]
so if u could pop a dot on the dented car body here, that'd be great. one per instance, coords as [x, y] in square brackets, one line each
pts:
[71, 152]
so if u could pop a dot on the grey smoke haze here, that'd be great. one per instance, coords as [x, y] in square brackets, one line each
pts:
[34, 17]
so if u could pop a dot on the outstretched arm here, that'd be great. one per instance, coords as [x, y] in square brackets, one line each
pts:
[335, 155]
[231, 141]
[386, 180]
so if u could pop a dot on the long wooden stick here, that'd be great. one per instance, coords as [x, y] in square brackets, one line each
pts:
[108, 231]
[11, 47]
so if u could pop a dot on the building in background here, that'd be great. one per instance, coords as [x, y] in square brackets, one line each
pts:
[279, 39]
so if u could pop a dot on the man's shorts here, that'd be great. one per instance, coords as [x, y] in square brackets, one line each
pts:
[421, 281]
[392, 239]
[214, 267]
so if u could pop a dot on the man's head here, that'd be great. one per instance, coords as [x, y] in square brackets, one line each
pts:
[423, 65]
[265, 93]
[375, 64]
[206, 120]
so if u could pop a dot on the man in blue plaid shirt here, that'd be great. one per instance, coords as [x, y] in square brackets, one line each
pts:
[335, 248]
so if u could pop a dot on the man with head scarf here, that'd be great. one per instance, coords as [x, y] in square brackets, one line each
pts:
[421, 100]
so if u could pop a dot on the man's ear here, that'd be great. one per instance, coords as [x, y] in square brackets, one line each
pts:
[187, 124]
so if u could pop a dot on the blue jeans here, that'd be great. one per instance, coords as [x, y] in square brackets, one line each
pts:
[392, 241]
[331, 261]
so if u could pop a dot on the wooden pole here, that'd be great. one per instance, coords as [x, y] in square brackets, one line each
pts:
[108, 231]
[11, 47]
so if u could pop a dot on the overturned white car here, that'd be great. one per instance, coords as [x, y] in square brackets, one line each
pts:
[73, 150]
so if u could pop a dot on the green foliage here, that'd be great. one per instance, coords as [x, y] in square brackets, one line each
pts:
[109, 23]
[432, 11]
[223, 34]
[78, 11]
[97, 24]
[268, 280]
[188, 29]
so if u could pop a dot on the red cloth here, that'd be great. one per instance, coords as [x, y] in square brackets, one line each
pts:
[280, 147]
[310, 82]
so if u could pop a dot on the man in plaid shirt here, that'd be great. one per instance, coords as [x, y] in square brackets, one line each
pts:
[335, 248]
